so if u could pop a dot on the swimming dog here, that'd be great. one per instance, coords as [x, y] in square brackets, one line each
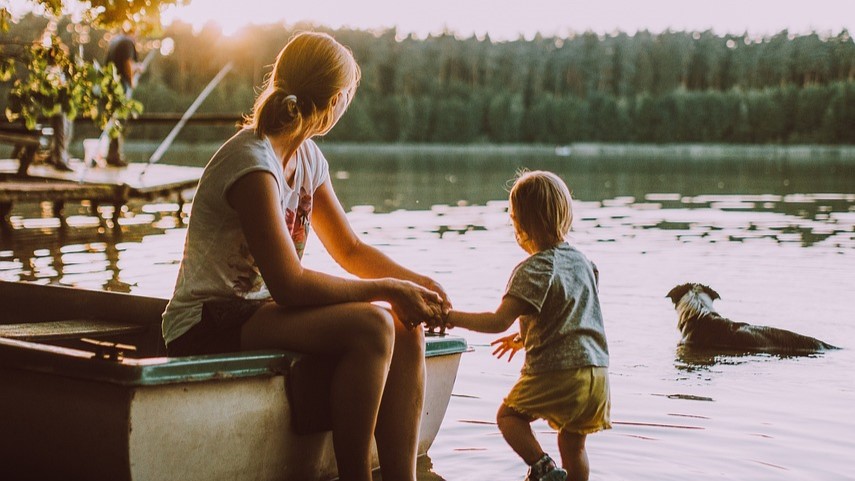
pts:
[701, 326]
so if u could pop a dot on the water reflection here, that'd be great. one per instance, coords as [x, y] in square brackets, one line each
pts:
[415, 180]
[693, 360]
[85, 253]
[780, 234]
[690, 202]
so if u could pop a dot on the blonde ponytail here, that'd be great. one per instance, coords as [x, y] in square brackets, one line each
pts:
[298, 96]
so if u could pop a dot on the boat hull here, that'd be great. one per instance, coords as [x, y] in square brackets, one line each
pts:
[67, 414]
[58, 427]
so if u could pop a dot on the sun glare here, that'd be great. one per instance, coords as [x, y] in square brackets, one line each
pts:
[230, 17]
[509, 19]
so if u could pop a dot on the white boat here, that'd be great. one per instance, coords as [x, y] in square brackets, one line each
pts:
[74, 409]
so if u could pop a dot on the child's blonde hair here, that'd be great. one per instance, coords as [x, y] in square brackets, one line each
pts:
[541, 207]
[298, 96]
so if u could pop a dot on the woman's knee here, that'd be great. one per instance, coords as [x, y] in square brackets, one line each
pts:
[374, 329]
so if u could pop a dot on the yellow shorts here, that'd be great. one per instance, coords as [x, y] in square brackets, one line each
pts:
[574, 400]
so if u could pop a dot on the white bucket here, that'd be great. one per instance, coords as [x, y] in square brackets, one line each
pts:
[93, 153]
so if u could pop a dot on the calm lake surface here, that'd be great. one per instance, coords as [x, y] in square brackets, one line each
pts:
[776, 238]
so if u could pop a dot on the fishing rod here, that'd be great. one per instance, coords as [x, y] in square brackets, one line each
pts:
[161, 149]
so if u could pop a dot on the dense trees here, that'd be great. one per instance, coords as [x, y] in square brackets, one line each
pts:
[646, 87]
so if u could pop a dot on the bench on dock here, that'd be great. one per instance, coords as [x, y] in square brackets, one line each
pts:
[27, 143]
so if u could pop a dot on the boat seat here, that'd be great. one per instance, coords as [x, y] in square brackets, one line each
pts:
[68, 329]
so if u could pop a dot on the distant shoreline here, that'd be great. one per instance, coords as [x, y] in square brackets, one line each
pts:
[586, 150]
[621, 150]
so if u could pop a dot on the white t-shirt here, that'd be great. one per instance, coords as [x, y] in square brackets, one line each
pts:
[217, 263]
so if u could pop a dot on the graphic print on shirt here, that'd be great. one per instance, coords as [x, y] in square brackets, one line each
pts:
[298, 222]
[246, 278]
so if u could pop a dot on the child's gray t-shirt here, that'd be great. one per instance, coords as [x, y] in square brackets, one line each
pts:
[567, 330]
[217, 263]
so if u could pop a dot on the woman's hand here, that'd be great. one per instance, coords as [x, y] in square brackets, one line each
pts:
[443, 322]
[512, 343]
[434, 286]
[440, 322]
[414, 304]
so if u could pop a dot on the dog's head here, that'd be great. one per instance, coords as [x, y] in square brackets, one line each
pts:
[692, 301]
[696, 289]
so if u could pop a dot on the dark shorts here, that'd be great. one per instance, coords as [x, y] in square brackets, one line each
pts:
[219, 330]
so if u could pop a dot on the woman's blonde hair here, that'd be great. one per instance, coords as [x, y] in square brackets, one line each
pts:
[541, 207]
[298, 95]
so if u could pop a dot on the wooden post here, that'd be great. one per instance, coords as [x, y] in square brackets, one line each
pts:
[117, 213]
[5, 210]
[120, 198]
[28, 154]
[180, 214]
[58, 208]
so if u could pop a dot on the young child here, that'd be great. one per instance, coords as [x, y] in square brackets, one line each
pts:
[554, 294]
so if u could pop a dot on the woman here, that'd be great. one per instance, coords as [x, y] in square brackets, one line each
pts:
[241, 284]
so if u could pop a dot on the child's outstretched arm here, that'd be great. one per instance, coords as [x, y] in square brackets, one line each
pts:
[508, 311]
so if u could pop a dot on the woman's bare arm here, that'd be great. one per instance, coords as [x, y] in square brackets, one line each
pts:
[255, 198]
[356, 257]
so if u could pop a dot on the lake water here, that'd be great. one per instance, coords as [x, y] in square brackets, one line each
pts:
[776, 238]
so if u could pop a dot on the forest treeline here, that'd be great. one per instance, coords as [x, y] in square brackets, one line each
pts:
[645, 87]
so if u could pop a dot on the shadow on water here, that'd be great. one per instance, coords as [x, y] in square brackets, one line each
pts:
[693, 359]
[424, 471]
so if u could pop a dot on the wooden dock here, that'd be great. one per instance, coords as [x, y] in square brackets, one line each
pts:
[98, 185]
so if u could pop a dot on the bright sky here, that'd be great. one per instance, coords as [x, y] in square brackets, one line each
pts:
[507, 19]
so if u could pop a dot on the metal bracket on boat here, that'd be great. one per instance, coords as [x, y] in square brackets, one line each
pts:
[109, 351]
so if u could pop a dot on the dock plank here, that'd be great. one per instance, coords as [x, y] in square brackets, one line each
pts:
[22, 191]
[136, 177]
[99, 185]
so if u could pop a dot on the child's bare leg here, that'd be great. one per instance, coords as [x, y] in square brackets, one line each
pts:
[516, 429]
[574, 457]
[397, 431]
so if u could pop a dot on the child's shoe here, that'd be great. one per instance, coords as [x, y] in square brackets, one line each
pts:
[545, 470]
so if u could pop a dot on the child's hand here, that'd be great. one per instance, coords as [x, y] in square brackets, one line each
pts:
[443, 323]
[512, 343]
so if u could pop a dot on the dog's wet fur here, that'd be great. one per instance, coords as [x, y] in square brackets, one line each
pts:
[701, 326]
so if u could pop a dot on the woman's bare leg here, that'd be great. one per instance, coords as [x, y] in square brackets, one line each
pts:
[516, 429]
[574, 457]
[397, 431]
[362, 335]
